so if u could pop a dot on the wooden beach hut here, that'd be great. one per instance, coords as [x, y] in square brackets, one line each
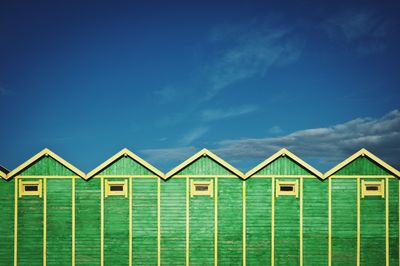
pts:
[39, 202]
[364, 211]
[201, 212]
[118, 221]
[286, 213]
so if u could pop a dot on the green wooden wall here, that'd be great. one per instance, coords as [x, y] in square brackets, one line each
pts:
[393, 222]
[87, 222]
[59, 221]
[287, 229]
[173, 221]
[362, 166]
[46, 166]
[283, 166]
[201, 229]
[125, 166]
[258, 221]
[344, 221]
[116, 229]
[230, 221]
[30, 230]
[204, 166]
[6, 222]
[144, 221]
[315, 222]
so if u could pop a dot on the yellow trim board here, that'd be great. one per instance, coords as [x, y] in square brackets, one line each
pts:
[204, 152]
[362, 152]
[283, 152]
[3, 175]
[45, 152]
[118, 155]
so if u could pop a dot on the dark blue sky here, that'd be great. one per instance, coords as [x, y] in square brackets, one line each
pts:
[243, 79]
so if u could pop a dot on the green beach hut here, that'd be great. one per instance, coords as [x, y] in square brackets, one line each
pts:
[364, 211]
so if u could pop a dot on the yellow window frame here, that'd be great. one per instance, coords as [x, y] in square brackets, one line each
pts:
[22, 188]
[380, 191]
[280, 184]
[123, 192]
[195, 192]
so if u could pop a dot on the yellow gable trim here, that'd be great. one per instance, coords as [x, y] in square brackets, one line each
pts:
[124, 152]
[3, 175]
[284, 152]
[204, 152]
[362, 152]
[39, 155]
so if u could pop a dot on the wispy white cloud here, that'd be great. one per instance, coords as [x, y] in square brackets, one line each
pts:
[362, 29]
[379, 135]
[193, 135]
[168, 154]
[219, 113]
[250, 50]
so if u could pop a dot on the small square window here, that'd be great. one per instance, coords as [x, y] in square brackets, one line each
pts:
[30, 188]
[116, 188]
[286, 188]
[372, 188]
[201, 188]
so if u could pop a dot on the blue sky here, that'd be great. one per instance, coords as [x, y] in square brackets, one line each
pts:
[243, 79]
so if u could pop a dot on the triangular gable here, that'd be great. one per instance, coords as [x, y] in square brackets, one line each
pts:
[38, 157]
[281, 153]
[117, 156]
[360, 153]
[198, 155]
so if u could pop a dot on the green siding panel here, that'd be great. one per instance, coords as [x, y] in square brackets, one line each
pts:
[126, 166]
[87, 222]
[173, 222]
[287, 229]
[393, 221]
[116, 229]
[362, 166]
[283, 166]
[201, 222]
[373, 230]
[30, 230]
[46, 166]
[6, 222]
[230, 221]
[144, 221]
[344, 221]
[258, 221]
[315, 222]
[204, 166]
[59, 221]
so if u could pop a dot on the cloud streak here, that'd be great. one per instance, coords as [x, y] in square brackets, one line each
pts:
[330, 144]
[218, 114]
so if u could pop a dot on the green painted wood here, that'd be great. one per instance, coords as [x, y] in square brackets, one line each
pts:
[258, 221]
[362, 166]
[373, 230]
[283, 166]
[116, 229]
[344, 222]
[30, 230]
[87, 222]
[393, 221]
[59, 222]
[46, 166]
[230, 221]
[201, 236]
[6, 222]
[315, 222]
[173, 222]
[126, 166]
[204, 166]
[287, 229]
[144, 221]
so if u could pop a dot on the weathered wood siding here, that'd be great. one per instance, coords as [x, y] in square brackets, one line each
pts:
[173, 221]
[6, 222]
[87, 222]
[144, 221]
[315, 222]
[258, 221]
